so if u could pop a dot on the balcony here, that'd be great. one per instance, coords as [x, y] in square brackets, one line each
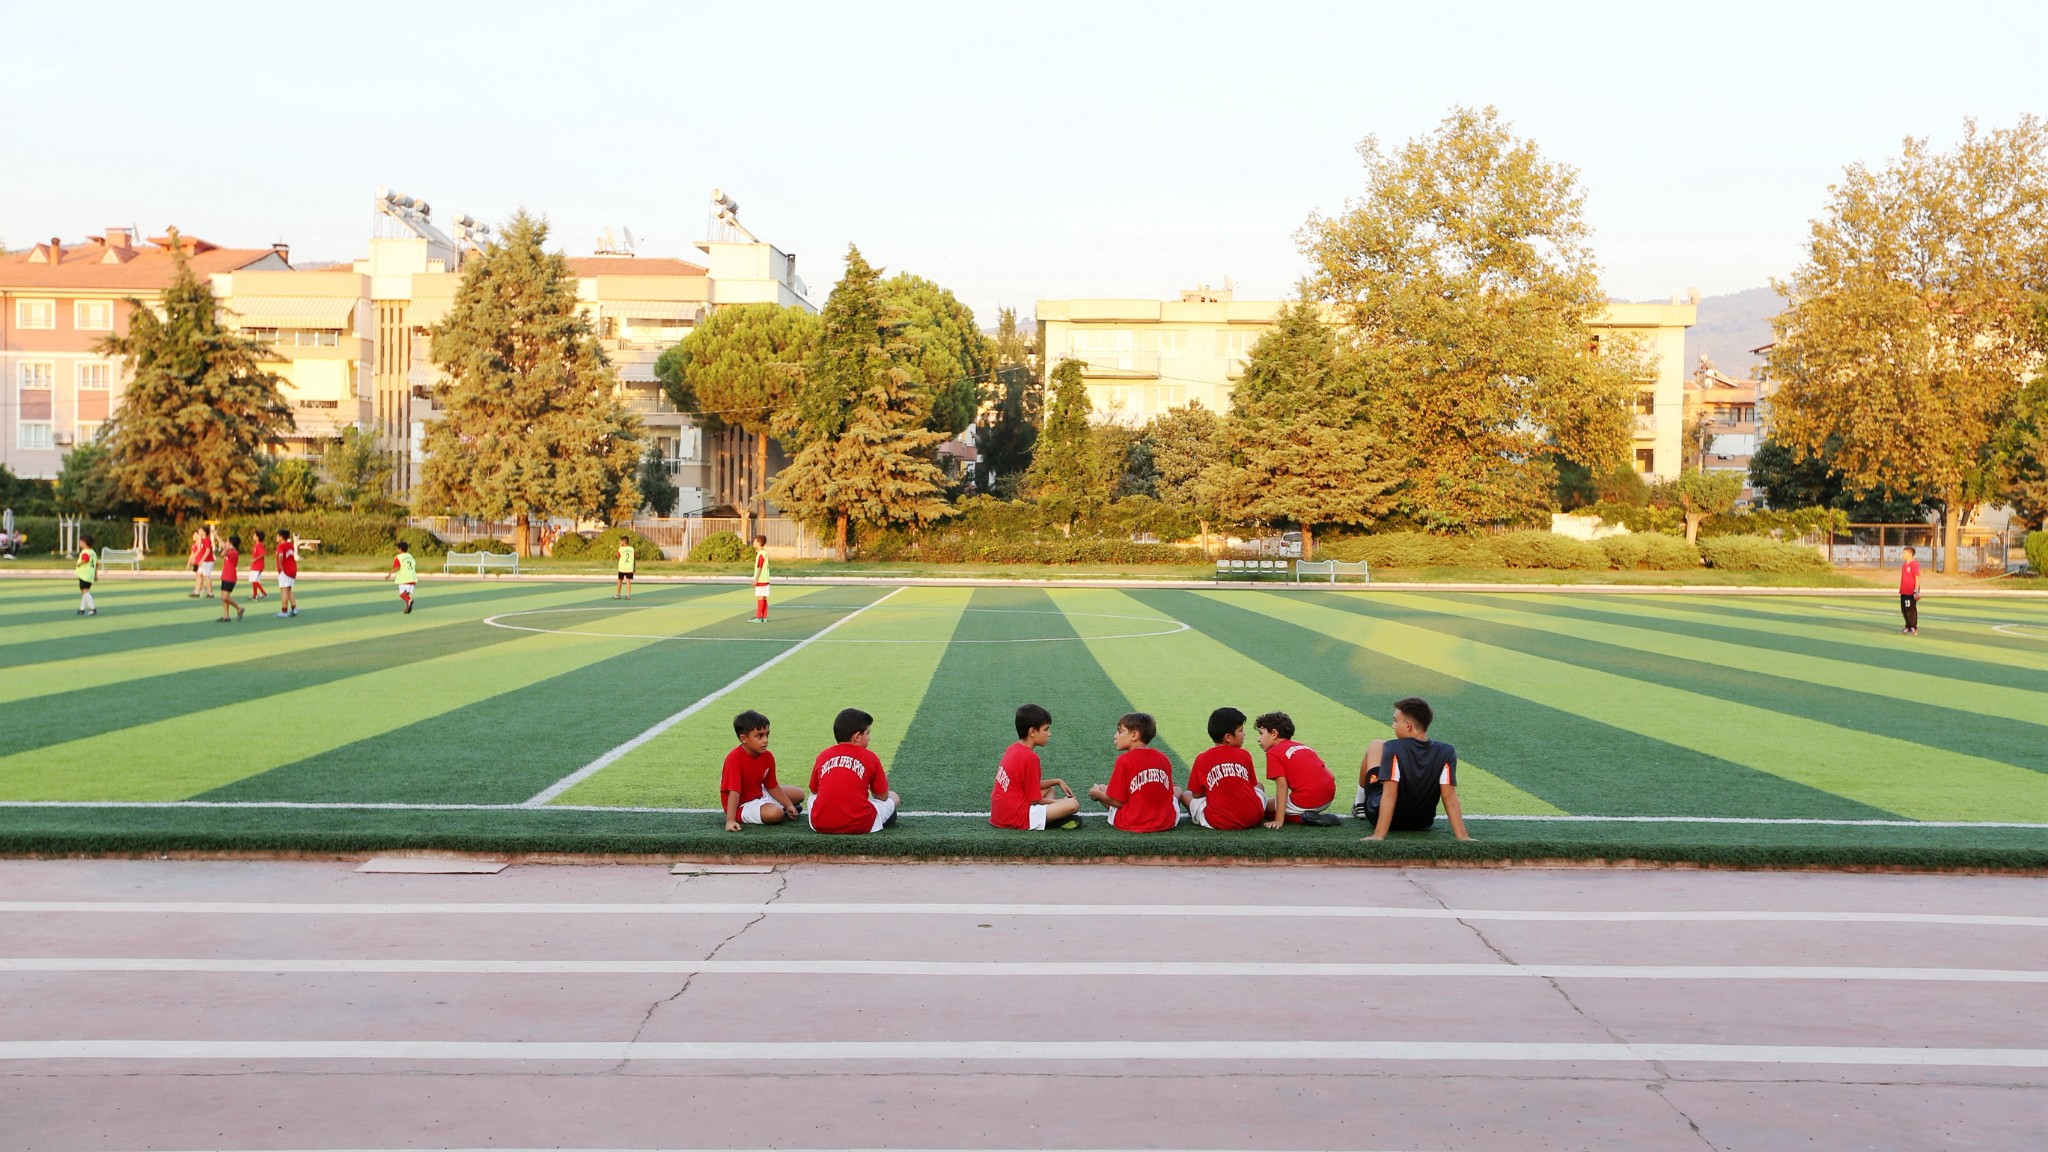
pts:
[1118, 365]
[1646, 427]
[657, 403]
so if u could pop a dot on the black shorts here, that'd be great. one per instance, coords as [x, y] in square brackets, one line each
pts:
[1909, 600]
[625, 575]
[227, 586]
[85, 585]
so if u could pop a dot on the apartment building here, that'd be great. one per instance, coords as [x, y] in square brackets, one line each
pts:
[640, 307]
[57, 302]
[314, 328]
[1727, 416]
[1142, 357]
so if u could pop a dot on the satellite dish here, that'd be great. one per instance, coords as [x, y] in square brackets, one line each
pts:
[629, 236]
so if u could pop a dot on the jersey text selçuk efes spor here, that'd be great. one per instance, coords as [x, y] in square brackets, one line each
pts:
[1016, 789]
[1420, 769]
[1142, 786]
[1225, 775]
[1309, 783]
[843, 781]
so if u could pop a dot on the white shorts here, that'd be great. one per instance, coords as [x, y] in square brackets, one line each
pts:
[1293, 810]
[255, 575]
[407, 589]
[1037, 821]
[750, 812]
[884, 808]
[287, 581]
[760, 591]
[206, 567]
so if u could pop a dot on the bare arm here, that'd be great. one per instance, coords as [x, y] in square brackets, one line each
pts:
[1390, 793]
[1452, 810]
[1279, 819]
[1046, 787]
[732, 811]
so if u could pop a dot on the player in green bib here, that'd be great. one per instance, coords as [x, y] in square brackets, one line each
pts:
[88, 573]
[627, 557]
[407, 571]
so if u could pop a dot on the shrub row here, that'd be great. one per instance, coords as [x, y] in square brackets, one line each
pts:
[721, 548]
[1649, 551]
[1761, 554]
[603, 546]
[1079, 550]
[2037, 552]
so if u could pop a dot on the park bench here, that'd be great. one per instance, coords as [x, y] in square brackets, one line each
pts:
[308, 547]
[129, 556]
[481, 562]
[1332, 569]
[1251, 569]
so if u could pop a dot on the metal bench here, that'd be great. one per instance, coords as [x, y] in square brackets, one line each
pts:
[481, 562]
[1332, 569]
[1251, 569]
[129, 556]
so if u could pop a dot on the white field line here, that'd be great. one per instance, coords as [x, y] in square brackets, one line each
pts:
[1187, 911]
[606, 760]
[1013, 969]
[1236, 1052]
[529, 806]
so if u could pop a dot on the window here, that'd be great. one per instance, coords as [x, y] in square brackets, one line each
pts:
[1646, 459]
[1236, 345]
[88, 431]
[1103, 349]
[35, 314]
[93, 315]
[1646, 403]
[38, 402]
[94, 384]
[35, 434]
[1164, 341]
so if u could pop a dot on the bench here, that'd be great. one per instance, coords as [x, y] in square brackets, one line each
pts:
[308, 547]
[481, 562]
[1251, 569]
[1332, 569]
[129, 556]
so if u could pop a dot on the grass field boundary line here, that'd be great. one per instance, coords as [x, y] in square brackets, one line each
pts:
[1180, 911]
[1198, 1051]
[644, 810]
[542, 797]
[1001, 969]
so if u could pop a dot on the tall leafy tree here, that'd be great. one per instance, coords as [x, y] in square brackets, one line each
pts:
[1068, 476]
[656, 486]
[954, 360]
[86, 485]
[533, 422]
[1302, 447]
[1007, 431]
[355, 470]
[190, 434]
[1911, 324]
[859, 424]
[1465, 282]
[737, 370]
[1187, 450]
[1699, 496]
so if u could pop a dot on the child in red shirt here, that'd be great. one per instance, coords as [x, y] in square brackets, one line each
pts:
[1223, 789]
[1305, 786]
[1020, 799]
[1140, 795]
[1909, 594]
[849, 791]
[287, 573]
[256, 555]
[229, 557]
[747, 786]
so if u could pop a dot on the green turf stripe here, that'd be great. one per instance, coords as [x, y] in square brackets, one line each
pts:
[948, 759]
[228, 645]
[1893, 774]
[1181, 678]
[56, 603]
[1793, 685]
[200, 750]
[854, 667]
[131, 611]
[1875, 624]
[1568, 759]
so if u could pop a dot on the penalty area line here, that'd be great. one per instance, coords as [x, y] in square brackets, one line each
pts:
[608, 759]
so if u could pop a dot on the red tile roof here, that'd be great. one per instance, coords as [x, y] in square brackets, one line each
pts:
[633, 266]
[92, 265]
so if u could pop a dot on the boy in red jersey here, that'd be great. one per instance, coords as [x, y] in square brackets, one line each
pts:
[257, 551]
[747, 785]
[287, 574]
[1303, 783]
[1909, 594]
[230, 557]
[760, 579]
[202, 563]
[1223, 789]
[1140, 794]
[849, 791]
[1020, 799]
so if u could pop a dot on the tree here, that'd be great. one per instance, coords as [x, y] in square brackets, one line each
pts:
[1005, 436]
[1465, 282]
[199, 410]
[86, 486]
[533, 421]
[2026, 448]
[1300, 437]
[1068, 477]
[1700, 496]
[1911, 326]
[1187, 446]
[1789, 479]
[737, 370]
[289, 484]
[656, 486]
[954, 361]
[355, 469]
[863, 454]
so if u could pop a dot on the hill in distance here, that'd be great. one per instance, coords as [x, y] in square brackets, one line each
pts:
[1729, 326]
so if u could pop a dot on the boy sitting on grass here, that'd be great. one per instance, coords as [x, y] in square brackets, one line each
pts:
[1020, 799]
[1223, 789]
[1139, 795]
[849, 791]
[1303, 785]
[1402, 779]
[747, 786]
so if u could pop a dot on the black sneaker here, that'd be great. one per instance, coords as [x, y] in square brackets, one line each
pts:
[1320, 819]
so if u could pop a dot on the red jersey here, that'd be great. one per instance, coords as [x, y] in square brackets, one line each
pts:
[1142, 786]
[288, 558]
[203, 551]
[227, 564]
[1309, 783]
[748, 775]
[1909, 578]
[256, 553]
[843, 781]
[1226, 776]
[1017, 788]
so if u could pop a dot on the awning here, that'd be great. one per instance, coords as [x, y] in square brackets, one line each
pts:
[429, 312]
[292, 311]
[652, 309]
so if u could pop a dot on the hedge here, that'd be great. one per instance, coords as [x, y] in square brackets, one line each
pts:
[605, 545]
[1652, 551]
[720, 548]
[1536, 549]
[2037, 552]
[1410, 550]
[1760, 554]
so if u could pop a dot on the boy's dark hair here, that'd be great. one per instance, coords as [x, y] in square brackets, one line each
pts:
[259, 533]
[1279, 722]
[284, 533]
[234, 541]
[1909, 550]
[402, 545]
[1141, 724]
[1031, 716]
[748, 722]
[1224, 721]
[849, 723]
[760, 541]
[87, 539]
[1417, 709]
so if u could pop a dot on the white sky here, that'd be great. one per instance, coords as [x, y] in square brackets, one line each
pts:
[1011, 152]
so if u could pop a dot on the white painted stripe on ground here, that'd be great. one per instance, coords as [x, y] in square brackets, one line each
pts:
[1189, 911]
[606, 760]
[818, 1051]
[1012, 969]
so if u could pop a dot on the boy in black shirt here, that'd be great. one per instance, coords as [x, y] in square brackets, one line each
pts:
[1401, 780]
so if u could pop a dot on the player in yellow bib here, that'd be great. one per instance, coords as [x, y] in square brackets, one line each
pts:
[760, 579]
[407, 571]
[88, 573]
[627, 558]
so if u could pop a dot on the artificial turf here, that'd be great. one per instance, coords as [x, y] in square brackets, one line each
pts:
[1689, 709]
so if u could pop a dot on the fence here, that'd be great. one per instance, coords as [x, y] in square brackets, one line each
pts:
[787, 539]
[1883, 546]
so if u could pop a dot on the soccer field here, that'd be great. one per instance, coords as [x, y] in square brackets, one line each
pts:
[533, 716]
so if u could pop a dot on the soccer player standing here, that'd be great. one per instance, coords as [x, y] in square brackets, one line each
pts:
[760, 579]
[1909, 594]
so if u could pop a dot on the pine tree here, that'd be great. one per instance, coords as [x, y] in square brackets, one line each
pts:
[191, 431]
[863, 456]
[1005, 436]
[954, 360]
[533, 422]
[656, 486]
[1068, 476]
[1187, 445]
